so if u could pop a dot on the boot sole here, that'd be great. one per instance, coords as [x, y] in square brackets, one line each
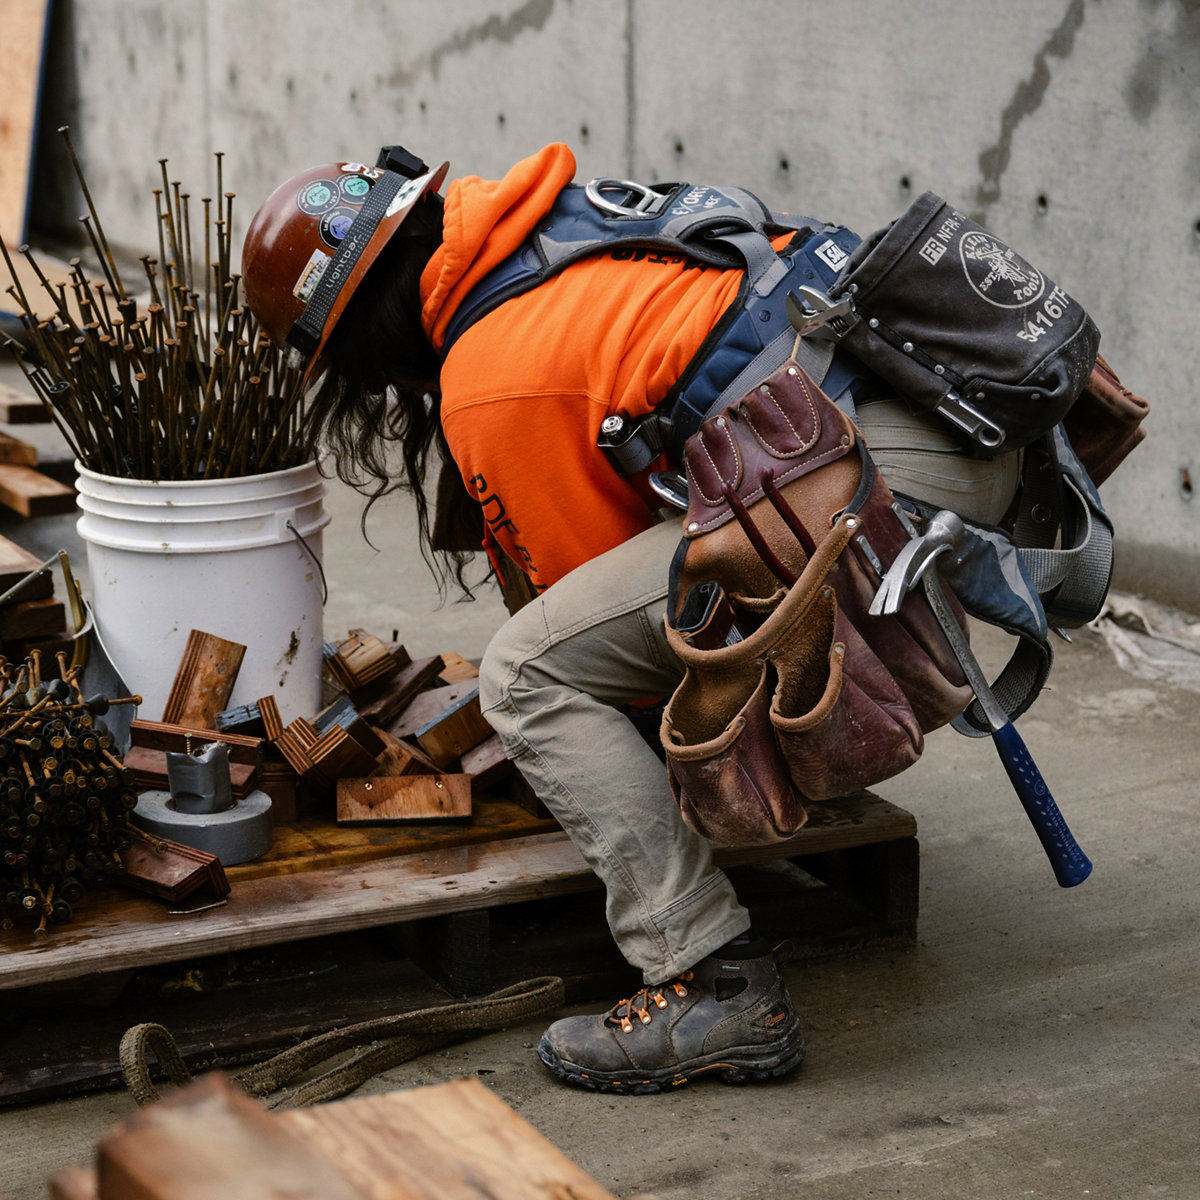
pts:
[726, 1067]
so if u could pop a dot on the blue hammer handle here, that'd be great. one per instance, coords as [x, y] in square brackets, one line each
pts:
[1069, 863]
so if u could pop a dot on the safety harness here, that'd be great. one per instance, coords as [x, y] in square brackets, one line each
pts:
[1051, 571]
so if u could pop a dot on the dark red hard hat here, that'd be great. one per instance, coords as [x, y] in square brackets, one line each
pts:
[314, 238]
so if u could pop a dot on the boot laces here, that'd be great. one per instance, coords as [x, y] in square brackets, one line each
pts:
[638, 1005]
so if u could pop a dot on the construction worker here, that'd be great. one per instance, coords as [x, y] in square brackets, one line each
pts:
[363, 271]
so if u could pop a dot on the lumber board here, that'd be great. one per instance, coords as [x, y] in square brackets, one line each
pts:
[32, 494]
[113, 931]
[24, 24]
[149, 770]
[32, 619]
[487, 764]
[448, 1141]
[204, 680]
[404, 798]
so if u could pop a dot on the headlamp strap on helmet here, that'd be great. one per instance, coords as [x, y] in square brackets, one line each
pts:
[305, 334]
[396, 158]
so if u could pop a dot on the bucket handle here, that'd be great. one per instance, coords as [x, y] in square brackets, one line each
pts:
[316, 561]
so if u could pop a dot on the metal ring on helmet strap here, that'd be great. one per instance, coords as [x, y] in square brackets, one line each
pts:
[594, 192]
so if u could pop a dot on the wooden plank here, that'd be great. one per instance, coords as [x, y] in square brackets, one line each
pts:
[32, 619]
[402, 758]
[113, 931]
[32, 494]
[404, 798]
[449, 1141]
[453, 732]
[17, 452]
[204, 681]
[24, 24]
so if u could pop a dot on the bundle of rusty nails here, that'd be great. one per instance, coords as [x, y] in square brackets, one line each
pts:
[64, 795]
[189, 388]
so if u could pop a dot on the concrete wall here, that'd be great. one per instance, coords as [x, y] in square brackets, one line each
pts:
[1070, 127]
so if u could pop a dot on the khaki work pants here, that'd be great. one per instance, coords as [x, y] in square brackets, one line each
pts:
[548, 685]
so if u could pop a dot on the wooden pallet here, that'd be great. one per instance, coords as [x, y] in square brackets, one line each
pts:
[867, 845]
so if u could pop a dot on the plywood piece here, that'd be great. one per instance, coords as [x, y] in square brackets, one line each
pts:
[204, 681]
[404, 798]
[402, 758]
[23, 23]
[32, 494]
[149, 770]
[32, 619]
[426, 705]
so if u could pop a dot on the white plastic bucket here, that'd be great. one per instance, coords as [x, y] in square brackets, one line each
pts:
[223, 556]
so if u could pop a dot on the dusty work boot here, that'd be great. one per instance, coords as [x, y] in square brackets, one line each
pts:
[729, 1016]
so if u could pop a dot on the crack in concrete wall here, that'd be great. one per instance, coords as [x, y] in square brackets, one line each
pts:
[1026, 100]
[497, 28]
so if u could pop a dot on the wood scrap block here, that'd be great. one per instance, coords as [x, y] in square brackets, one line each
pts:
[278, 780]
[268, 710]
[162, 735]
[17, 452]
[457, 669]
[172, 871]
[404, 798]
[337, 753]
[487, 764]
[31, 619]
[204, 681]
[32, 494]
[402, 758]
[16, 564]
[455, 730]
[149, 771]
[21, 408]
[426, 705]
[211, 1139]
[342, 712]
[379, 704]
[362, 659]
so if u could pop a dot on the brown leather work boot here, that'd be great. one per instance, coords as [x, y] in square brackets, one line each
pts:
[728, 1016]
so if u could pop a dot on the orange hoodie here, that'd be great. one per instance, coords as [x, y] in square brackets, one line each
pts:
[525, 388]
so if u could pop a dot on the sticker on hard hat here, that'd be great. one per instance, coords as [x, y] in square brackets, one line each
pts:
[317, 197]
[361, 169]
[407, 193]
[311, 275]
[335, 225]
[355, 187]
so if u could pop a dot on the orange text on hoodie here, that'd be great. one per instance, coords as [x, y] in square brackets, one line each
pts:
[526, 387]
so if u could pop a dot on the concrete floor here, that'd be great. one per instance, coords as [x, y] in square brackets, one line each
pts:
[1031, 1042]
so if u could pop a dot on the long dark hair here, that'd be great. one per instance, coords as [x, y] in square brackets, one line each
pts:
[381, 386]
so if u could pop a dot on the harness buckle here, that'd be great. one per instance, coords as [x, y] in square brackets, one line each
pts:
[813, 314]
